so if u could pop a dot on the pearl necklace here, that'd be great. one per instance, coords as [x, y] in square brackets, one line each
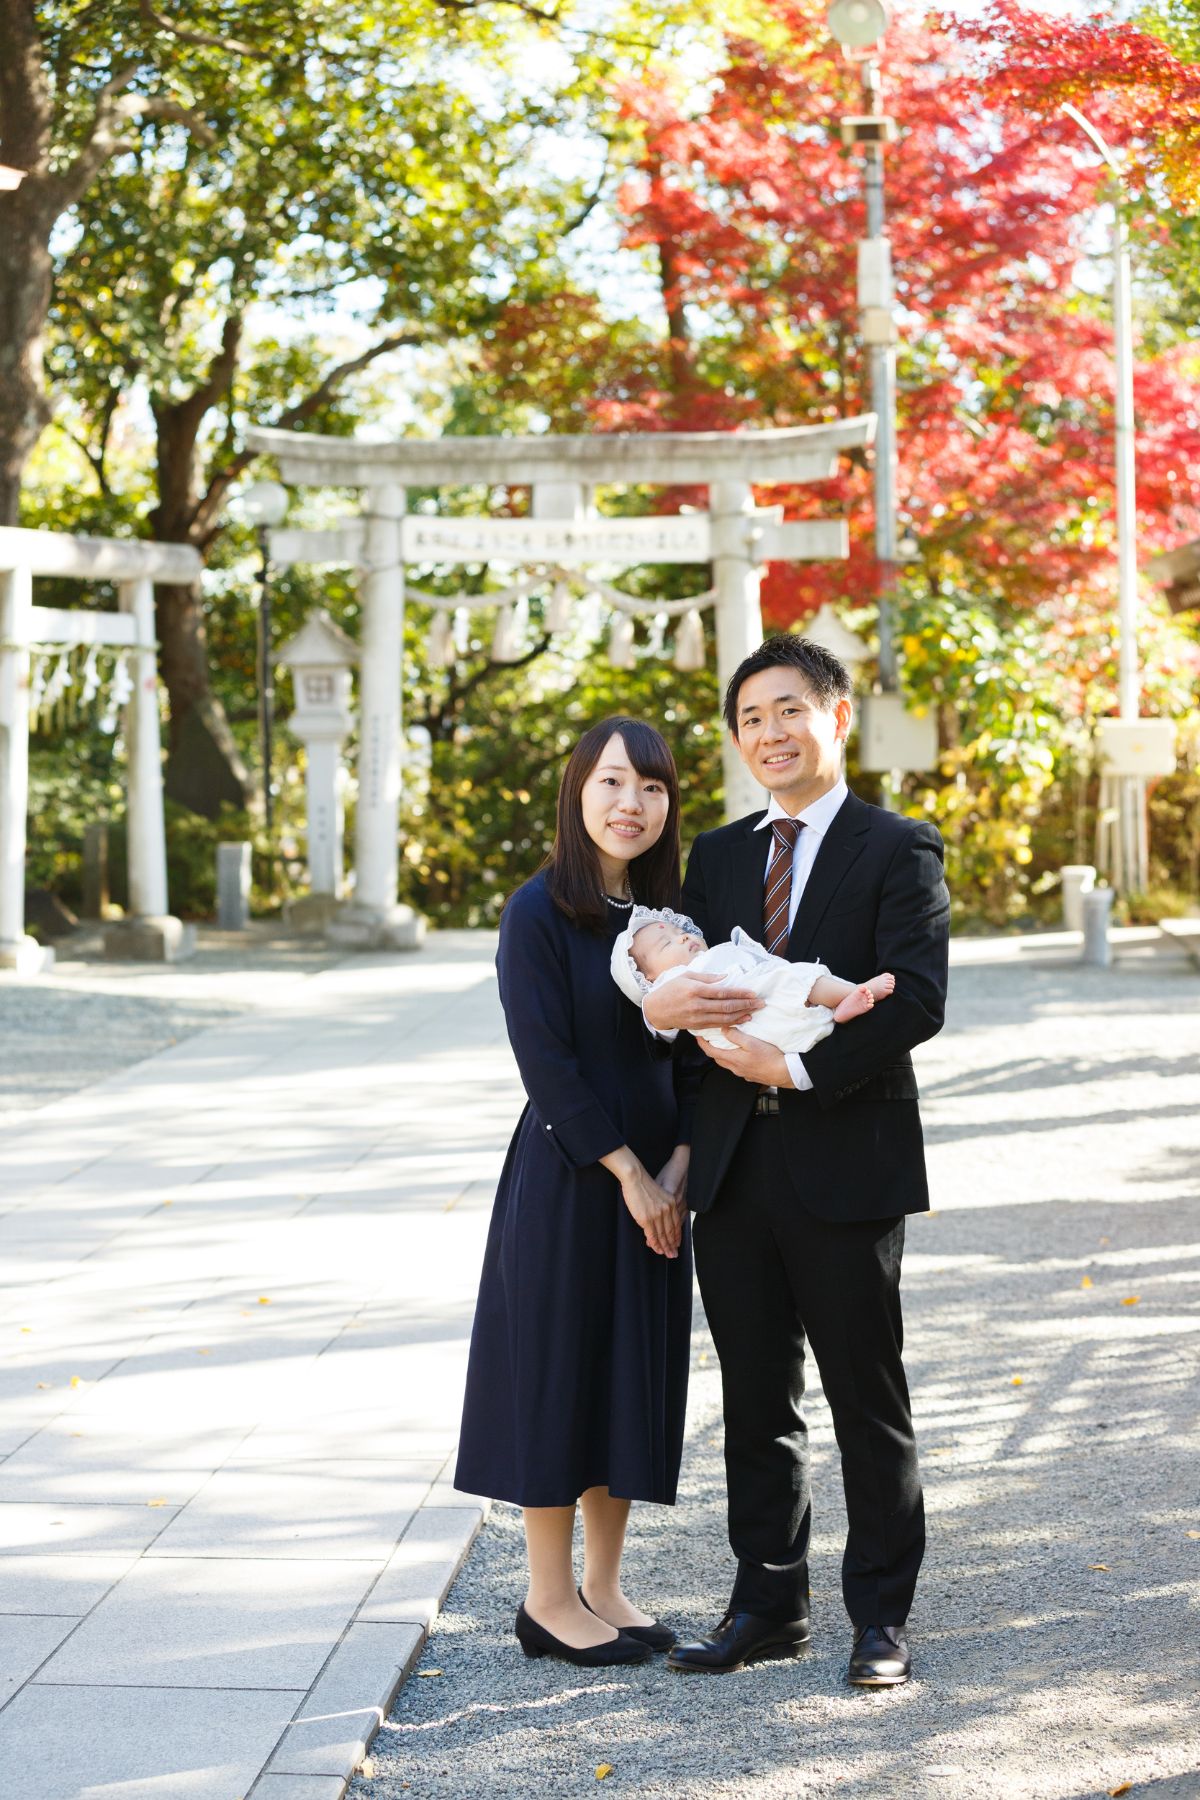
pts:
[613, 901]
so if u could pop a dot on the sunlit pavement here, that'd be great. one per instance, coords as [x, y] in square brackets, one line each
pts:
[237, 1287]
[236, 1283]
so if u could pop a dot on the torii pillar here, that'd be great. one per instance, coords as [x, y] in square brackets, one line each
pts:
[374, 920]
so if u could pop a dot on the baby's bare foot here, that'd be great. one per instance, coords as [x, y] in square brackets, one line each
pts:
[863, 998]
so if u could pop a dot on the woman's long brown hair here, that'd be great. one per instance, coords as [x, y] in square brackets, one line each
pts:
[573, 866]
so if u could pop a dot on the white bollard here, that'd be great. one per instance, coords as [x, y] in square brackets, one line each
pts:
[1097, 908]
[1078, 879]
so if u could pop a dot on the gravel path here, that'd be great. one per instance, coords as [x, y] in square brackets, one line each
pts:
[1054, 1335]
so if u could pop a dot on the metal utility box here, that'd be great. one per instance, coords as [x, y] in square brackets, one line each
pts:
[1136, 746]
[890, 737]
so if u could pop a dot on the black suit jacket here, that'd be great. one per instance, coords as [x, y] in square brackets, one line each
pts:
[875, 900]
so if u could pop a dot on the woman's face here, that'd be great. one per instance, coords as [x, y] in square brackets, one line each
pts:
[623, 812]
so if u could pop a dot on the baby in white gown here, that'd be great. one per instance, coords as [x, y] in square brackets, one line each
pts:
[803, 1001]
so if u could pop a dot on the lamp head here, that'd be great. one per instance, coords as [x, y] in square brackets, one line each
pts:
[857, 24]
[264, 503]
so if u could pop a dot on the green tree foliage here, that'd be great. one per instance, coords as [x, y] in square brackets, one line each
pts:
[266, 165]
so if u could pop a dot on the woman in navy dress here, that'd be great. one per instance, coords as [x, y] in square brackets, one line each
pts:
[579, 1355]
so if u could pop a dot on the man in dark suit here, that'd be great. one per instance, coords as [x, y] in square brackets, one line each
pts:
[803, 1167]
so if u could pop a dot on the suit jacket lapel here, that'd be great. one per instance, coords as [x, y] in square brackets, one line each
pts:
[749, 875]
[840, 848]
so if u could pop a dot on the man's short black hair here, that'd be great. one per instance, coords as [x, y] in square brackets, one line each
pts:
[827, 679]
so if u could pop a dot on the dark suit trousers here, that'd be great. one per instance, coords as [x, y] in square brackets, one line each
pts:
[773, 1277]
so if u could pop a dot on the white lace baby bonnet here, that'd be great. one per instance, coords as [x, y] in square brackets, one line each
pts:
[625, 972]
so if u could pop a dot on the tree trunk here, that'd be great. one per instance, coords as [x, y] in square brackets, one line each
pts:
[205, 770]
[25, 279]
[679, 348]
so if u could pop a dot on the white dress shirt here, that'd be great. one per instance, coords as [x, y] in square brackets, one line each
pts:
[816, 820]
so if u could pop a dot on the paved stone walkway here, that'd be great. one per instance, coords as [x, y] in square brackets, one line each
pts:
[236, 1282]
[235, 1285]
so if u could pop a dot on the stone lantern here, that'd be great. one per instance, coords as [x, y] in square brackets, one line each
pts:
[321, 658]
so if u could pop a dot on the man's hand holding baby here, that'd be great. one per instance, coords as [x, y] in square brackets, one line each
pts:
[689, 1003]
[750, 1057]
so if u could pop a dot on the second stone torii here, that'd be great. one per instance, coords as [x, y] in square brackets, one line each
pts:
[734, 535]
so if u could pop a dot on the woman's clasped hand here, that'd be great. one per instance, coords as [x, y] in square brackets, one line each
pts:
[659, 1207]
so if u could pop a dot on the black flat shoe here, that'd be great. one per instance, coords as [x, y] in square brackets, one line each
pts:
[658, 1637]
[880, 1657]
[535, 1640]
[741, 1638]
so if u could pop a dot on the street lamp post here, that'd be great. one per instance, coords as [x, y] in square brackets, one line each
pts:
[264, 505]
[858, 25]
[1133, 862]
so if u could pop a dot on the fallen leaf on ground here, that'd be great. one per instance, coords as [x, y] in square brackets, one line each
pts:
[43, 1384]
[264, 1300]
[27, 1328]
[1195, 1534]
[603, 1770]
[1132, 1300]
[1102, 1566]
[156, 1503]
[1018, 1380]
[77, 1381]
[1121, 1788]
[428, 1674]
[204, 1353]
[366, 1767]
[1086, 1282]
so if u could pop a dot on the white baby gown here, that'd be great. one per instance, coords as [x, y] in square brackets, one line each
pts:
[786, 1021]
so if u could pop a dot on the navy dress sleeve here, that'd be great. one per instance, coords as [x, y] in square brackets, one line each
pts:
[535, 991]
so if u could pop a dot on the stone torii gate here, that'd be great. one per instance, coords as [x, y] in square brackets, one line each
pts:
[562, 533]
[150, 932]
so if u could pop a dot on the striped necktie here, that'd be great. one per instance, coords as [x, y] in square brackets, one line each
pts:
[778, 896]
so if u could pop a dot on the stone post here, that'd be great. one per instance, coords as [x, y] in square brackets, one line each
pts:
[326, 815]
[739, 620]
[17, 951]
[95, 871]
[1097, 911]
[233, 886]
[321, 658]
[374, 920]
[149, 934]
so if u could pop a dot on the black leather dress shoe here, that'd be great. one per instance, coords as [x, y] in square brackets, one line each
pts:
[880, 1657]
[535, 1640]
[656, 1636]
[741, 1638]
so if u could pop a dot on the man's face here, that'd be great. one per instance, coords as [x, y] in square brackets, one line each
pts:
[790, 743]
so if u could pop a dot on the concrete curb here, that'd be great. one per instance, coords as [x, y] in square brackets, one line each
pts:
[331, 1731]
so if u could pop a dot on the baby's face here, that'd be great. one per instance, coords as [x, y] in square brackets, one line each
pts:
[656, 948]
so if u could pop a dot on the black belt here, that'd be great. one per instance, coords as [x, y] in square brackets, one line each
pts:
[766, 1105]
